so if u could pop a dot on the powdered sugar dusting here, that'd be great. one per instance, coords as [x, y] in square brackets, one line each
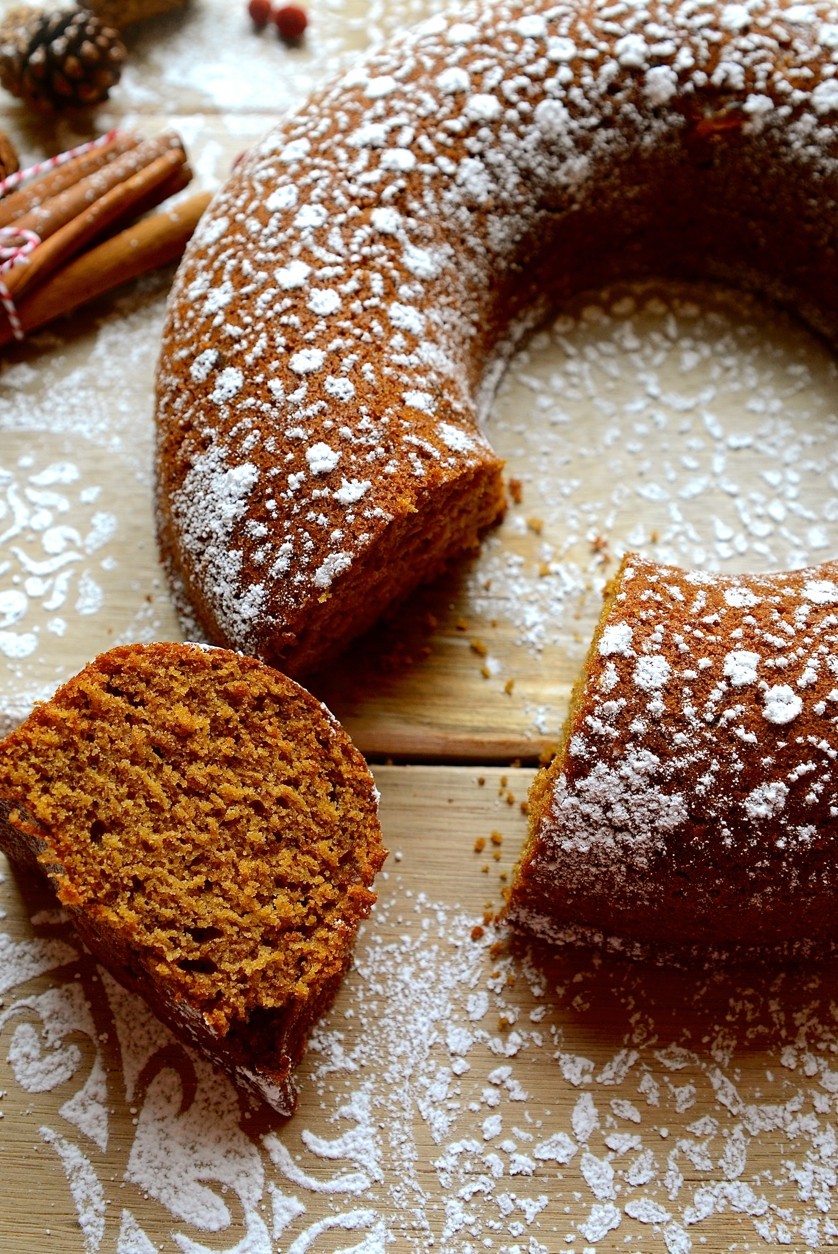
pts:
[741, 667]
[502, 152]
[63, 569]
[623, 420]
[695, 801]
[659, 420]
[674, 420]
[616, 638]
[781, 704]
[457, 1097]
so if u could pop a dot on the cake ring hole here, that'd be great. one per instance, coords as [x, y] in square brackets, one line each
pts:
[693, 421]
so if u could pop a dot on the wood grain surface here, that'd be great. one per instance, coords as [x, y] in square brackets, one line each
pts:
[466, 1092]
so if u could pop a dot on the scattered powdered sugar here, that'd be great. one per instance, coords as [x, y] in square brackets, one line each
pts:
[63, 565]
[622, 803]
[687, 423]
[821, 591]
[456, 1102]
[767, 800]
[616, 638]
[322, 459]
[781, 704]
[695, 425]
[621, 420]
[741, 667]
[502, 152]
[651, 673]
[698, 395]
[732, 749]
[675, 421]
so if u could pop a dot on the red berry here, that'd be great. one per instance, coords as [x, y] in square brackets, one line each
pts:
[291, 22]
[260, 12]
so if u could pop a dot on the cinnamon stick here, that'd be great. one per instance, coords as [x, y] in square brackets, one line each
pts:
[153, 183]
[16, 204]
[56, 211]
[147, 245]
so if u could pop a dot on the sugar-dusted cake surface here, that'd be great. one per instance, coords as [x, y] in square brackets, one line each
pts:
[213, 834]
[693, 800]
[341, 318]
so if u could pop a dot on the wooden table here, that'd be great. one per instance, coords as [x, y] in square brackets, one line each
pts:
[464, 1094]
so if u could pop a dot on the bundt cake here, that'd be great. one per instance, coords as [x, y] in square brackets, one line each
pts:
[692, 803]
[345, 308]
[213, 834]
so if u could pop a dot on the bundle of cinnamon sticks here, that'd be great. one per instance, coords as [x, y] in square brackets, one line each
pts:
[82, 222]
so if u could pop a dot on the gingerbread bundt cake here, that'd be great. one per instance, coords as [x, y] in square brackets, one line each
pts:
[213, 834]
[344, 310]
[692, 803]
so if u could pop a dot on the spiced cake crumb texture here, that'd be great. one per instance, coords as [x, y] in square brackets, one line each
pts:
[693, 800]
[346, 307]
[213, 834]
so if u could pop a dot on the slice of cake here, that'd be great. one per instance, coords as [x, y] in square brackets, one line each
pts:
[212, 832]
[692, 803]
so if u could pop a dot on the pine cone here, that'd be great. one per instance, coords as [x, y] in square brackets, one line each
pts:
[59, 60]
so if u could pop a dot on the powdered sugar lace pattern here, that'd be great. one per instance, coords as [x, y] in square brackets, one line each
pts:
[63, 566]
[429, 1129]
[56, 572]
[348, 275]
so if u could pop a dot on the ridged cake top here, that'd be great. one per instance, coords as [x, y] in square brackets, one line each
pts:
[346, 306]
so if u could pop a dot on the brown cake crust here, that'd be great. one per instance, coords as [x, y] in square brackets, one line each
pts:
[692, 805]
[346, 307]
[212, 832]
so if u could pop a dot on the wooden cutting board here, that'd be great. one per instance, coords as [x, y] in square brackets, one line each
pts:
[465, 1093]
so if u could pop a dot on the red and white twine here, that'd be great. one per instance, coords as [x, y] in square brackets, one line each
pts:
[16, 245]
